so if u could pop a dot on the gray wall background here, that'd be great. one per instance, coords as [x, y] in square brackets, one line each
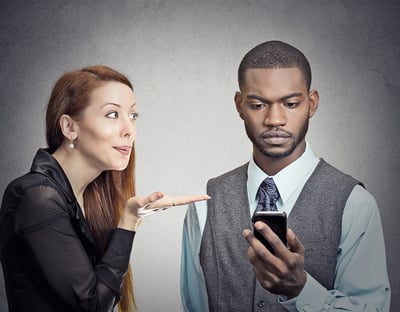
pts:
[182, 57]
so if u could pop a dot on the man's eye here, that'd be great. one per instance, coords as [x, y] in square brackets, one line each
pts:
[133, 116]
[292, 104]
[113, 115]
[257, 105]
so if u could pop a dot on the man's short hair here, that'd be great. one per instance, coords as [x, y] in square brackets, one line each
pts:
[275, 54]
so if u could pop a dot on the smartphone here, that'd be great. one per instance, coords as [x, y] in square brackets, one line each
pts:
[276, 220]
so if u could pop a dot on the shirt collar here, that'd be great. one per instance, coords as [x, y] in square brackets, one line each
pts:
[47, 165]
[285, 180]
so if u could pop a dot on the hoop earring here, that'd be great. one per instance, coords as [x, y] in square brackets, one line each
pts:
[71, 145]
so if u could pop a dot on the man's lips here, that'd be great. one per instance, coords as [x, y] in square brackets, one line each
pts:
[275, 137]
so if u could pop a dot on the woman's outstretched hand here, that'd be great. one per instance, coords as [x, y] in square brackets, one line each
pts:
[139, 206]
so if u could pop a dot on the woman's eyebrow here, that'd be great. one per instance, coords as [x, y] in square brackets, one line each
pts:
[115, 104]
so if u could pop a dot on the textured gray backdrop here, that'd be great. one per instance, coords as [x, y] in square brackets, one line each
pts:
[182, 57]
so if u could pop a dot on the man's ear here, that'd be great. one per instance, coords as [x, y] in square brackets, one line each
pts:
[238, 101]
[314, 100]
[69, 127]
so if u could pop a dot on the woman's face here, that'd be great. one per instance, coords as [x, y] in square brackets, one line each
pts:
[107, 127]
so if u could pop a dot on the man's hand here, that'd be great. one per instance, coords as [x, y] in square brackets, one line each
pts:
[282, 273]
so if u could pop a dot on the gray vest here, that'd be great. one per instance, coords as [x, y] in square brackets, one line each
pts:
[316, 219]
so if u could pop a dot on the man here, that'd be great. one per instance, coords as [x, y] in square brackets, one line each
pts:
[335, 259]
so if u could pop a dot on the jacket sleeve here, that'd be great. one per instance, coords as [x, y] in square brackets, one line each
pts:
[43, 222]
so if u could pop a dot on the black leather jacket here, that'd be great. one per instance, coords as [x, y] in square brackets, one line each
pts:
[49, 257]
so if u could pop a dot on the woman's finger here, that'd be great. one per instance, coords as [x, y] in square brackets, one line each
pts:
[170, 201]
[138, 201]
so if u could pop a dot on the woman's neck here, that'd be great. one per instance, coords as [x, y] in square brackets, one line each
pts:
[79, 174]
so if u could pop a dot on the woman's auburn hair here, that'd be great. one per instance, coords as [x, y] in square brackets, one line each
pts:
[106, 196]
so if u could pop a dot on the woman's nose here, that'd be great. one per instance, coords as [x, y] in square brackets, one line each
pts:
[129, 129]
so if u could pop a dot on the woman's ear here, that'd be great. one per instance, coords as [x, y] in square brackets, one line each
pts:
[69, 127]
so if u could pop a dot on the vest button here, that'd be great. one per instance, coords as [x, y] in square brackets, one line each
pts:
[261, 304]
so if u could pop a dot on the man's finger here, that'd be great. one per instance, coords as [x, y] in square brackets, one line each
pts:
[294, 243]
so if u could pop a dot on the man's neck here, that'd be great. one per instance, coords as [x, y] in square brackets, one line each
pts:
[272, 165]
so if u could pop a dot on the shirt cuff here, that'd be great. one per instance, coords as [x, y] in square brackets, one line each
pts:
[311, 298]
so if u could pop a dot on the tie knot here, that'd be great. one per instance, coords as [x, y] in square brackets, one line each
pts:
[267, 195]
[269, 186]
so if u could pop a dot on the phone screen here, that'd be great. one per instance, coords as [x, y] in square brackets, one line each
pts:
[276, 220]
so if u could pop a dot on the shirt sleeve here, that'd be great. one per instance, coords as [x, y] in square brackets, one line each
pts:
[59, 256]
[361, 282]
[192, 283]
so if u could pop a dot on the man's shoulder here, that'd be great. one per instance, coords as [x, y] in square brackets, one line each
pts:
[239, 171]
[231, 181]
[334, 174]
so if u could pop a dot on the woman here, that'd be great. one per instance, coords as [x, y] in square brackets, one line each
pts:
[67, 226]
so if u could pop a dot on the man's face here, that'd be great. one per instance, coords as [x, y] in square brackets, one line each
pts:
[275, 106]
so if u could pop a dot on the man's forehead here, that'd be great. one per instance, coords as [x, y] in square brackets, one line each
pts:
[271, 76]
[272, 70]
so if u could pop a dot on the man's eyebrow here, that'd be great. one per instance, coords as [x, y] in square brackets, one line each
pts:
[256, 97]
[264, 100]
[294, 94]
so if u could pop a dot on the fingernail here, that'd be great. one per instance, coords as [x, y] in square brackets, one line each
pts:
[258, 225]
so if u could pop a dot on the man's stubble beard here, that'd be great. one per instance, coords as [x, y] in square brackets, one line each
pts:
[258, 143]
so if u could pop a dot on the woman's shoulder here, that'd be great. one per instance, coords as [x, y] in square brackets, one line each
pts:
[31, 184]
[33, 198]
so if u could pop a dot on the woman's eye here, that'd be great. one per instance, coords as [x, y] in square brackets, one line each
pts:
[133, 116]
[113, 115]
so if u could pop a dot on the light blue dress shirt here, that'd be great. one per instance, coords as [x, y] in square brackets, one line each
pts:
[361, 282]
